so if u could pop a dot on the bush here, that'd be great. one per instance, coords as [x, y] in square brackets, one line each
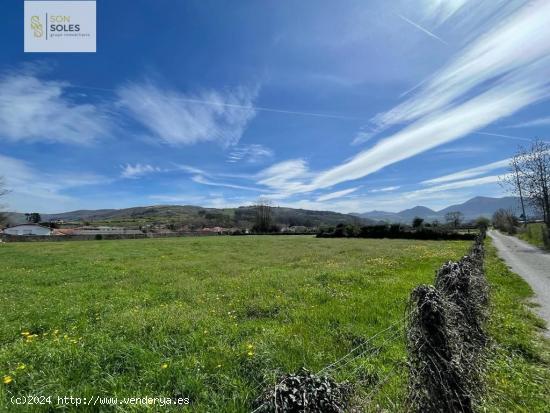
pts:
[482, 223]
[98, 237]
[505, 221]
[395, 231]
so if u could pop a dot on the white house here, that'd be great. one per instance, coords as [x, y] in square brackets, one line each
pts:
[28, 229]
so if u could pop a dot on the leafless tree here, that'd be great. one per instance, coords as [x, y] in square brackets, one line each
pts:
[3, 192]
[454, 218]
[513, 181]
[263, 215]
[532, 177]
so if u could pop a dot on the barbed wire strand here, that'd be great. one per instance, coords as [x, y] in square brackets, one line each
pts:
[340, 360]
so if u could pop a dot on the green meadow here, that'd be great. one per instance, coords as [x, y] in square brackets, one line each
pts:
[215, 319]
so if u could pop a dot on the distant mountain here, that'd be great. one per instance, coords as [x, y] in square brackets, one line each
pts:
[195, 216]
[418, 211]
[472, 209]
[485, 206]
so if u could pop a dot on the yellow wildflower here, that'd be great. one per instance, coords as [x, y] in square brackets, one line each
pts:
[21, 366]
[164, 366]
[250, 346]
[250, 353]
[7, 379]
[25, 333]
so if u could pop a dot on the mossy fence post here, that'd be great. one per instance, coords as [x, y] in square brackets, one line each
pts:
[446, 337]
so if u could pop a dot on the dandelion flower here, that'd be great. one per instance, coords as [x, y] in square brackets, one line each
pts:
[7, 379]
[21, 366]
[250, 346]
[164, 366]
[25, 333]
[219, 366]
[250, 353]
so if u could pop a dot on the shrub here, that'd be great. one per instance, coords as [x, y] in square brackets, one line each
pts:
[504, 220]
[305, 392]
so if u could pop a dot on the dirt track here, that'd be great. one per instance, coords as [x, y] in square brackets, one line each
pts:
[532, 264]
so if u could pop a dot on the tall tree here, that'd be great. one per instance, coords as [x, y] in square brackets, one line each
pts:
[263, 215]
[3, 192]
[533, 177]
[33, 217]
[454, 218]
[417, 222]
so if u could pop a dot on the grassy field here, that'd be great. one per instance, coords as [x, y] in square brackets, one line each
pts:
[533, 234]
[215, 318]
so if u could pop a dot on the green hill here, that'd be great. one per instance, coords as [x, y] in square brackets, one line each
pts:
[198, 217]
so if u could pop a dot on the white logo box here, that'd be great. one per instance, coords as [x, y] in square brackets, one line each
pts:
[60, 26]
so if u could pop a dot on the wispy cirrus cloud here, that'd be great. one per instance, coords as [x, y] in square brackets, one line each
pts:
[386, 189]
[177, 118]
[490, 79]
[29, 186]
[337, 194]
[469, 173]
[138, 170]
[287, 177]
[437, 196]
[431, 132]
[500, 135]
[37, 110]
[462, 149]
[532, 123]
[252, 153]
[499, 52]
[460, 184]
[204, 181]
[441, 10]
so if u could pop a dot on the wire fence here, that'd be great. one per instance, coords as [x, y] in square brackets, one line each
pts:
[367, 349]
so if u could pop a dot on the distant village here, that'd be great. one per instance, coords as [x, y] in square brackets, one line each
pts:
[35, 228]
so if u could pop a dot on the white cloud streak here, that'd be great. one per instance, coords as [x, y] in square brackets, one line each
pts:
[386, 189]
[337, 194]
[253, 153]
[500, 52]
[431, 132]
[202, 180]
[138, 170]
[469, 173]
[532, 123]
[179, 119]
[447, 107]
[30, 187]
[500, 135]
[35, 110]
[441, 10]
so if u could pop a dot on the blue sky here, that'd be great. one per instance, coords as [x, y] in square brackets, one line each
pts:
[327, 105]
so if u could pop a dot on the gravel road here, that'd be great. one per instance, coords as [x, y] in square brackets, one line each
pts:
[529, 262]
